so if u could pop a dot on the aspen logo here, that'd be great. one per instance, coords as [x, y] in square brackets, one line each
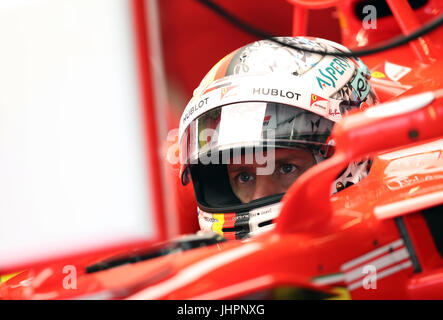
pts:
[329, 75]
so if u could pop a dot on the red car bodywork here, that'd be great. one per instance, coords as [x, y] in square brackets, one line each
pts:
[378, 239]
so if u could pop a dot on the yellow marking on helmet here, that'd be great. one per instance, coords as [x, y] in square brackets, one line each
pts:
[207, 80]
[218, 226]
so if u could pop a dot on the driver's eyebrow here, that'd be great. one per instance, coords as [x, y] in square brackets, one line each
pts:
[233, 168]
[287, 159]
[239, 167]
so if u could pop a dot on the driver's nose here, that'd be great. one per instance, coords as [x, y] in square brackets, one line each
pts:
[264, 186]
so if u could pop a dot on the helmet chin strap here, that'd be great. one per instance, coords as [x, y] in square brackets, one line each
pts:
[238, 226]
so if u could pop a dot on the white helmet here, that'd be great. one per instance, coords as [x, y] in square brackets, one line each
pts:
[261, 98]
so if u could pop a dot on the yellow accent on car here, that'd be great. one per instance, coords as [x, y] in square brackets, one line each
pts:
[6, 277]
[342, 293]
[378, 74]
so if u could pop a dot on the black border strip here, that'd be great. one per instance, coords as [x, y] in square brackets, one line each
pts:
[408, 243]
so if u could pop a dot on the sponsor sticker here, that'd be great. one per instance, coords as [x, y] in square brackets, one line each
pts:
[318, 101]
[395, 71]
[360, 86]
[329, 76]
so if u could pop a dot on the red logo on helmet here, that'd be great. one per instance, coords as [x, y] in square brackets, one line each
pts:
[225, 90]
[315, 98]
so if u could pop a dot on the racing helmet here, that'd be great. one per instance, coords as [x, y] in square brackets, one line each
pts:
[258, 101]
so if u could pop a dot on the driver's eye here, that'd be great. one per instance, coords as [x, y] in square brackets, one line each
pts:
[287, 168]
[244, 177]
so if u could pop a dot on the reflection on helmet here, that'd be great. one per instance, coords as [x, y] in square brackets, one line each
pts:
[261, 117]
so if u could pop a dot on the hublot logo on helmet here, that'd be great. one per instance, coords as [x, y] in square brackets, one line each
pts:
[276, 92]
[194, 108]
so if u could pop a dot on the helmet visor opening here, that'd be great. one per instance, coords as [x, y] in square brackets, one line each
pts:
[252, 125]
[230, 148]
